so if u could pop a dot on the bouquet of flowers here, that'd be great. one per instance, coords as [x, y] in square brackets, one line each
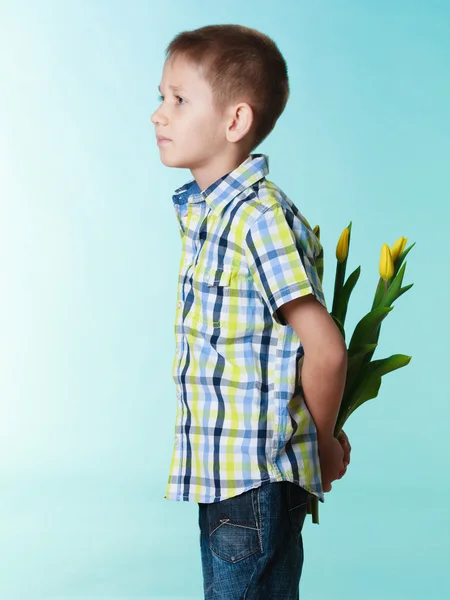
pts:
[364, 374]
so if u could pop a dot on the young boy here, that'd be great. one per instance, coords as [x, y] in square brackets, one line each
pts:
[260, 365]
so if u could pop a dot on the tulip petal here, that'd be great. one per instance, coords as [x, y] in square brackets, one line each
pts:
[342, 245]
[386, 266]
[398, 247]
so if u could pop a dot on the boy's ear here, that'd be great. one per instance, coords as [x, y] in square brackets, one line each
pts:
[240, 122]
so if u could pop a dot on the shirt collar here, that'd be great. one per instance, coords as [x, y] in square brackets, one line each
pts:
[226, 188]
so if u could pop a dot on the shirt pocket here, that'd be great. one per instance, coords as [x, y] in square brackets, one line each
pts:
[216, 300]
[223, 306]
[218, 276]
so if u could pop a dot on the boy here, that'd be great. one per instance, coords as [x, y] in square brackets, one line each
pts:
[260, 365]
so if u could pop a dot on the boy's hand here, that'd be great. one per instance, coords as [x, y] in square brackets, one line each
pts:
[342, 437]
[331, 455]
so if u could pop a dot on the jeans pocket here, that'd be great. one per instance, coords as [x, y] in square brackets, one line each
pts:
[297, 499]
[234, 526]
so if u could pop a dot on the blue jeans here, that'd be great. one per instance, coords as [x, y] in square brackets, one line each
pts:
[251, 544]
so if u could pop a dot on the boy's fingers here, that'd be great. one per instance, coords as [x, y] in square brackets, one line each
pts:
[345, 445]
[346, 450]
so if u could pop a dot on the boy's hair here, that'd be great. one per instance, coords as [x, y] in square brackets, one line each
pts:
[239, 64]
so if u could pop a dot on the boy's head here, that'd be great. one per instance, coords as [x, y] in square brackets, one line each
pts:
[233, 87]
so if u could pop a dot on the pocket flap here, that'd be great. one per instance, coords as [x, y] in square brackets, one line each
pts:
[216, 276]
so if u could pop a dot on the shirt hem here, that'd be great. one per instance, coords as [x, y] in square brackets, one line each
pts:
[208, 500]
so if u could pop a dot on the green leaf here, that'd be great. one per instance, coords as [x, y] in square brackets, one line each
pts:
[339, 324]
[393, 289]
[378, 293]
[404, 289]
[356, 351]
[369, 384]
[366, 331]
[401, 258]
[356, 357]
[378, 368]
[370, 390]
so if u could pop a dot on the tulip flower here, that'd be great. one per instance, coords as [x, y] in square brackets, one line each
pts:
[342, 287]
[398, 247]
[386, 266]
[342, 246]
[364, 375]
[382, 296]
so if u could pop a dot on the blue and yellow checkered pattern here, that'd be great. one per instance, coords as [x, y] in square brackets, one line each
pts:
[241, 415]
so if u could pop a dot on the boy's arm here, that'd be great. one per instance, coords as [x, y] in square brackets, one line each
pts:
[283, 266]
[325, 361]
[323, 377]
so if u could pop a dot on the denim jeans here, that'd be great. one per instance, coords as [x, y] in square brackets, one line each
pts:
[251, 544]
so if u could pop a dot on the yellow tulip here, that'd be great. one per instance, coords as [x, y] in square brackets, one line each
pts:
[398, 247]
[342, 246]
[316, 232]
[386, 263]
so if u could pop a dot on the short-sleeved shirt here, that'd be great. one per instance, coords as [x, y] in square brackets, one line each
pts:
[241, 418]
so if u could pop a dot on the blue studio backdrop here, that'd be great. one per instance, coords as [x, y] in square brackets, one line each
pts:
[89, 252]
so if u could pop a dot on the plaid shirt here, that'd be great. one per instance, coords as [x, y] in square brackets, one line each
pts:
[241, 416]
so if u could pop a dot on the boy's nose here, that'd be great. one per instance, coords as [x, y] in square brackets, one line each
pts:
[157, 117]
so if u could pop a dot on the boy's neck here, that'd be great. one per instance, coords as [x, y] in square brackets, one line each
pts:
[208, 174]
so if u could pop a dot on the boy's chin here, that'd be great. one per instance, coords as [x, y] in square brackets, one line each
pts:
[172, 161]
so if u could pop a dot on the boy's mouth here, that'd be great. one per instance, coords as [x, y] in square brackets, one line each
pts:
[162, 140]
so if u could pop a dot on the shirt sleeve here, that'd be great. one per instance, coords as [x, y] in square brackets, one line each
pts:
[284, 266]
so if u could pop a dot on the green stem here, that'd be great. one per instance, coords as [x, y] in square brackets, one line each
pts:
[313, 508]
[338, 283]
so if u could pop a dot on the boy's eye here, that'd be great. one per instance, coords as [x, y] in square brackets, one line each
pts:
[161, 98]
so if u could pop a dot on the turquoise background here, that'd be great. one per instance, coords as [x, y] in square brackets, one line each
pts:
[89, 251]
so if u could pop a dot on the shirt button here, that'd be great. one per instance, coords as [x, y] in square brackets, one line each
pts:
[177, 440]
[179, 303]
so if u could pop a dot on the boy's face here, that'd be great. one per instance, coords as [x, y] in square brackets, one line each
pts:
[187, 117]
